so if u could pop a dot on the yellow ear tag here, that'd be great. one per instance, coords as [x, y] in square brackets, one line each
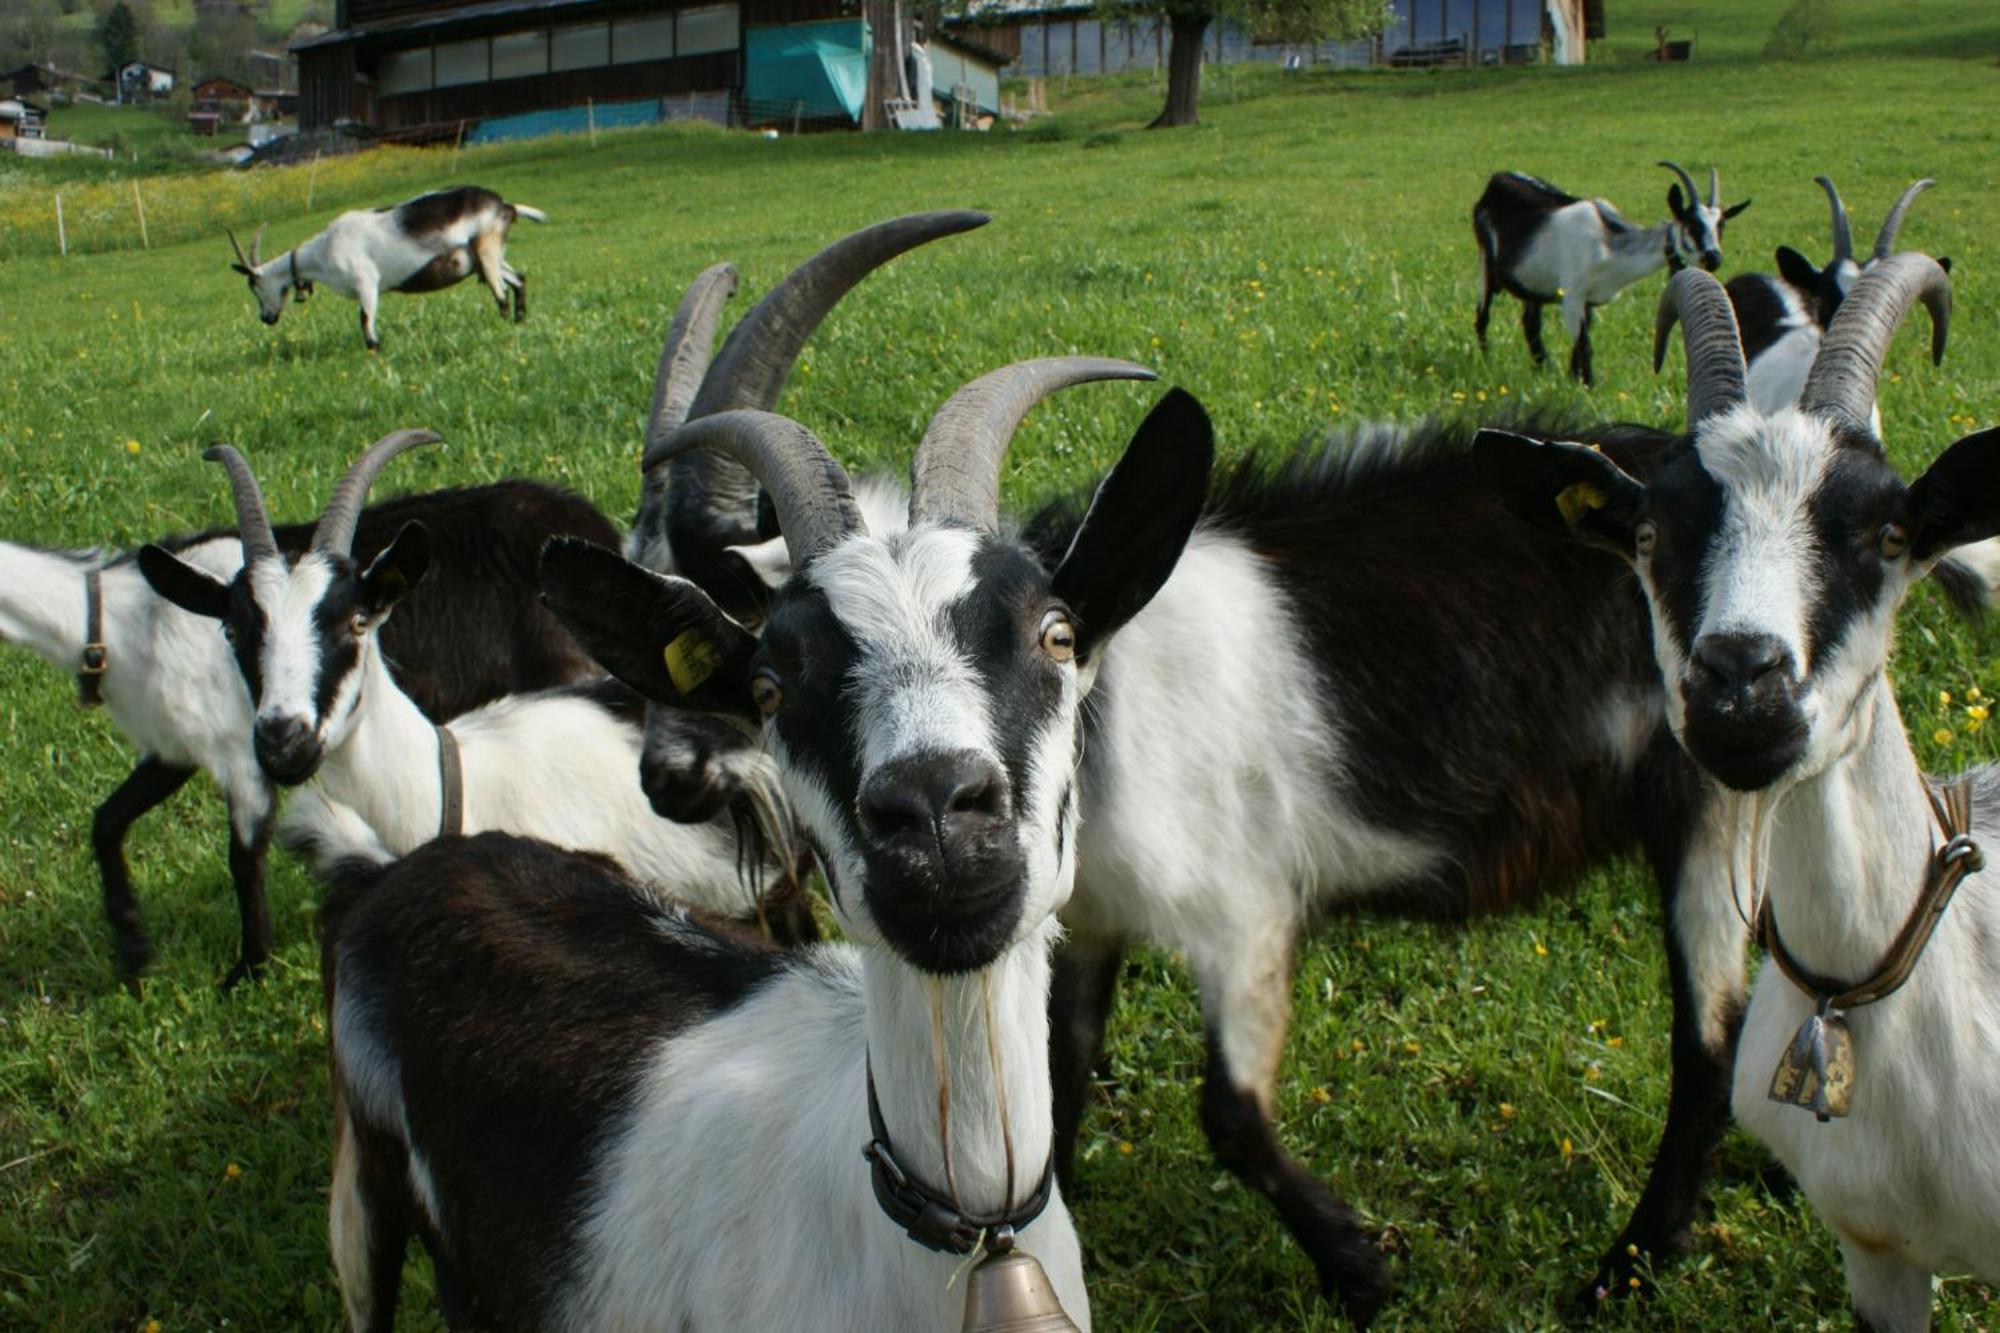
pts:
[1577, 500]
[691, 659]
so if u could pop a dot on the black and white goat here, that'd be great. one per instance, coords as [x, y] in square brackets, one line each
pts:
[165, 678]
[1774, 549]
[421, 245]
[1782, 318]
[1542, 245]
[576, 1096]
[560, 764]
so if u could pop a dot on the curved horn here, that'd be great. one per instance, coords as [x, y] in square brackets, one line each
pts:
[335, 533]
[1843, 231]
[684, 359]
[1687, 181]
[237, 246]
[955, 476]
[1714, 188]
[1714, 346]
[809, 489]
[257, 245]
[1894, 222]
[253, 520]
[1841, 382]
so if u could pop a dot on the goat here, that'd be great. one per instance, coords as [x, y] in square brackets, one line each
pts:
[591, 1132]
[1542, 245]
[474, 633]
[1774, 549]
[421, 245]
[560, 764]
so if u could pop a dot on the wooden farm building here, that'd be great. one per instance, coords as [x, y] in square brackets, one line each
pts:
[500, 67]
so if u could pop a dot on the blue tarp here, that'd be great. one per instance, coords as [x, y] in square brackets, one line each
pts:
[822, 68]
[567, 120]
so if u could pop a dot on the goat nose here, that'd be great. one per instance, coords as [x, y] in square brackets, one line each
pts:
[1741, 663]
[942, 796]
[286, 748]
[1711, 260]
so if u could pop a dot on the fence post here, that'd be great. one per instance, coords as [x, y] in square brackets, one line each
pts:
[140, 205]
[62, 237]
[456, 141]
[312, 179]
[590, 115]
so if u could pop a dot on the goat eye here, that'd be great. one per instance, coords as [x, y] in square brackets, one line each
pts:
[229, 633]
[765, 693]
[1644, 537]
[1895, 540]
[359, 624]
[1058, 637]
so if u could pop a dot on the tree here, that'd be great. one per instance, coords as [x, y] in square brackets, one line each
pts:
[1188, 22]
[118, 34]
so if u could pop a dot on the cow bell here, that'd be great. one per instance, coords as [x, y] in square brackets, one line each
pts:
[1009, 1293]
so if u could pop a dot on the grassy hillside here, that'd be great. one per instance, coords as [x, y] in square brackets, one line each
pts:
[1489, 1096]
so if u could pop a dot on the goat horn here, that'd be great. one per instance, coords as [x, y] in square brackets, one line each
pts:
[1714, 188]
[1841, 382]
[955, 476]
[684, 359]
[1714, 346]
[1894, 222]
[809, 489]
[335, 534]
[1694, 195]
[253, 520]
[237, 246]
[1843, 232]
[257, 245]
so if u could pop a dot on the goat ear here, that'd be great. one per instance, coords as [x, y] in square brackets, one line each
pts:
[238, 268]
[1734, 209]
[662, 636]
[1797, 270]
[400, 567]
[1568, 490]
[1674, 202]
[1944, 262]
[195, 591]
[1138, 521]
[1958, 499]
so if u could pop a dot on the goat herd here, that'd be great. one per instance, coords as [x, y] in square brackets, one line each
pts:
[571, 970]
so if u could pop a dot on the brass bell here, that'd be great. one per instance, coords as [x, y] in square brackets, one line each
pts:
[1009, 1293]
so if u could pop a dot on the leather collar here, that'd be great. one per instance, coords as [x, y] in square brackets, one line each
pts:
[932, 1220]
[96, 657]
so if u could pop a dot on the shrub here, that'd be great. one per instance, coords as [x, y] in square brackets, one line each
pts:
[1807, 28]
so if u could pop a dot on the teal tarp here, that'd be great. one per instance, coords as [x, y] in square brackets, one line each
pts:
[823, 66]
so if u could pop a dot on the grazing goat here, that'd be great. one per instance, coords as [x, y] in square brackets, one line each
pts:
[576, 1095]
[421, 245]
[1774, 549]
[1542, 245]
[474, 633]
[559, 764]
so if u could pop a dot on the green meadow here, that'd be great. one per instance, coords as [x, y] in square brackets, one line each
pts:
[1489, 1097]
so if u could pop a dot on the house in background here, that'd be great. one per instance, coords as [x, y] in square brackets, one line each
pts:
[139, 81]
[218, 102]
[21, 119]
[504, 68]
[62, 84]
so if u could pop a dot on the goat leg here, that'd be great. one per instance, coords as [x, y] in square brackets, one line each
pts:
[1084, 983]
[1531, 329]
[149, 784]
[246, 870]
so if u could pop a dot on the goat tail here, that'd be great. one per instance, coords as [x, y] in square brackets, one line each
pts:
[531, 214]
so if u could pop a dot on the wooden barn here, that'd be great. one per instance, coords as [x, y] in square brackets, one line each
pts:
[397, 65]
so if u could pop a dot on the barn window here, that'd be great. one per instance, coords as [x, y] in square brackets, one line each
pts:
[517, 54]
[585, 46]
[404, 71]
[635, 40]
[461, 62]
[709, 28]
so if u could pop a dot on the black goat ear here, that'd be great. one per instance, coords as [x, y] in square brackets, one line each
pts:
[1567, 490]
[1675, 205]
[399, 567]
[1957, 500]
[1734, 209]
[1139, 520]
[195, 591]
[1797, 270]
[662, 636]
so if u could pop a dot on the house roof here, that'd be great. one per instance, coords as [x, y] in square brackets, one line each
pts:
[445, 19]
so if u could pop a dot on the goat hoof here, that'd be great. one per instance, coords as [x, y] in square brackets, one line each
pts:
[243, 971]
[1357, 1280]
[1624, 1273]
[135, 953]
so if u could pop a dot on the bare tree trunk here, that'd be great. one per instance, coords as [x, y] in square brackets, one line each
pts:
[884, 18]
[1183, 67]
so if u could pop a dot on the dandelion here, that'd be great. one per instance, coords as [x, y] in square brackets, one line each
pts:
[1359, 1046]
[1503, 391]
[1125, 1147]
[1506, 1110]
[1633, 1282]
[1942, 735]
[1569, 1150]
[1591, 1071]
[1321, 1095]
[1541, 949]
[1614, 1041]
[1412, 1047]
[1977, 712]
[1944, 698]
[232, 1172]
[1480, 395]
[1974, 694]
[132, 447]
[152, 1326]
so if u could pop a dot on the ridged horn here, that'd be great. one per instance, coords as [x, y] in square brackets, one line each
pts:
[955, 476]
[1687, 181]
[257, 245]
[1699, 304]
[809, 489]
[335, 533]
[1894, 222]
[253, 520]
[1714, 188]
[237, 246]
[684, 359]
[1843, 231]
[1841, 382]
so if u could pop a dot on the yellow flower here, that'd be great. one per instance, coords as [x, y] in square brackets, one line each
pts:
[1569, 1149]
[1321, 1095]
[1541, 949]
[1125, 1147]
[131, 446]
[1412, 1047]
[152, 1326]
[1974, 694]
[1977, 712]
[1942, 735]
[1506, 1110]
[1614, 1041]
[1944, 698]
[232, 1172]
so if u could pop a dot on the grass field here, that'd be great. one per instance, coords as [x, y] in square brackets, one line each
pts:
[1490, 1096]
